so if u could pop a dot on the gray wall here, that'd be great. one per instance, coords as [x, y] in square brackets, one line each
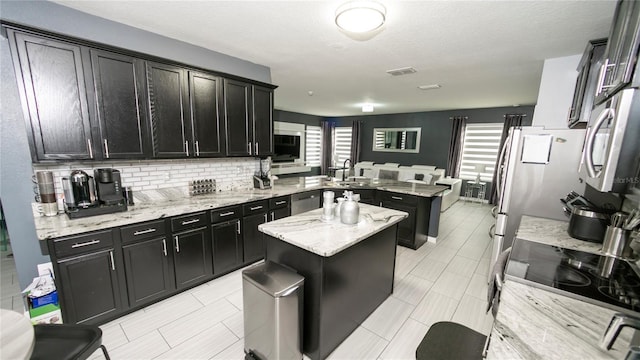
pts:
[16, 191]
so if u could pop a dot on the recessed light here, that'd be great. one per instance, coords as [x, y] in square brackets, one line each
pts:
[429, 87]
[367, 107]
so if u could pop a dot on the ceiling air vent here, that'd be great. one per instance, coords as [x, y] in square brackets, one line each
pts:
[402, 71]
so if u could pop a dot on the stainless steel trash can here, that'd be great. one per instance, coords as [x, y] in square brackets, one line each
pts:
[273, 297]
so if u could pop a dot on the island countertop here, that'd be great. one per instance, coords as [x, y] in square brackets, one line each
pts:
[326, 238]
[162, 203]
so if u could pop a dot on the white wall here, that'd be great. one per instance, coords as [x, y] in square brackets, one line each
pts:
[556, 92]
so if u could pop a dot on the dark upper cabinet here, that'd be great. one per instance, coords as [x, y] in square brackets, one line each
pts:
[207, 129]
[248, 118]
[52, 86]
[262, 121]
[586, 84]
[238, 118]
[621, 55]
[120, 111]
[167, 100]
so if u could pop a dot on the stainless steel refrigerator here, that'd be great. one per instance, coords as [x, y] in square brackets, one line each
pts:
[537, 168]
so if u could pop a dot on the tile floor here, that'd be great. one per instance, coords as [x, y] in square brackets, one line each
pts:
[446, 281]
[10, 297]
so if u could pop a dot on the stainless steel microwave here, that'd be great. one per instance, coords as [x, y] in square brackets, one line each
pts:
[611, 152]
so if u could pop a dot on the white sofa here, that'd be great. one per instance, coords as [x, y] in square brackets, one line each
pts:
[421, 174]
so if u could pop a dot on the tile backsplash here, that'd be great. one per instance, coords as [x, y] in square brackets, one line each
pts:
[229, 173]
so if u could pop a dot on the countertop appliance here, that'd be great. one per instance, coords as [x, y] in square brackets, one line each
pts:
[611, 148]
[597, 279]
[84, 198]
[536, 169]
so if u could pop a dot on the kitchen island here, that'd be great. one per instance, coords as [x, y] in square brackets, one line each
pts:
[348, 269]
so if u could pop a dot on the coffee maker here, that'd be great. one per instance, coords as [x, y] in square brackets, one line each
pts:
[87, 196]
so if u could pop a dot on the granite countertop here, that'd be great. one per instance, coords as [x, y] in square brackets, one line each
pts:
[553, 232]
[328, 237]
[162, 203]
[537, 324]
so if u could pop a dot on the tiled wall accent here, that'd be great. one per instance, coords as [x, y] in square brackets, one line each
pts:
[229, 173]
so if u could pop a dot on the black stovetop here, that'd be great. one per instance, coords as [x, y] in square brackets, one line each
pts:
[603, 280]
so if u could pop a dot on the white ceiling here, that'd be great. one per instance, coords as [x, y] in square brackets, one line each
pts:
[483, 53]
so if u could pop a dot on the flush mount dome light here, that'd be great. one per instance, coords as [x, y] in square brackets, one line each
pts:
[360, 16]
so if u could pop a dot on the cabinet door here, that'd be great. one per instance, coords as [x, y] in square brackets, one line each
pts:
[227, 246]
[253, 238]
[406, 227]
[206, 127]
[262, 121]
[53, 90]
[119, 95]
[90, 288]
[167, 92]
[147, 271]
[236, 116]
[279, 213]
[192, 257]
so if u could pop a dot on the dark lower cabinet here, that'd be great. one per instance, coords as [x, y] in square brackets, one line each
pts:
[279, 213]
[227, 246]
[406, 228]
[147, 266]
[192, 257]
[253, 239]
[90, 287]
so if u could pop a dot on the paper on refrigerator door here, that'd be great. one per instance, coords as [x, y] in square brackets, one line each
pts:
[536, 149]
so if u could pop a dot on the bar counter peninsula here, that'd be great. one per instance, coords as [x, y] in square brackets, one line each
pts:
[348, 269]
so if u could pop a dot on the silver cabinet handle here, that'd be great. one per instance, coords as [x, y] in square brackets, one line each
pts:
[90, 148]
[192, 221]
[113, 265]
[249, 144]
[588, 147]
[177, 243]
[256, 207]
[141, 232]
[281, 202]
[87, 243]
[227, 213]
[106, 148]
[186, 147]
[396, 197]
[256, 148]
[265, 217]
[273, 216]
[238, 226]
[164, 247]
[197, 148]
[380, 203]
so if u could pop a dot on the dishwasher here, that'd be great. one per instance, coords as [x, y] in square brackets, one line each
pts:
[306, 201]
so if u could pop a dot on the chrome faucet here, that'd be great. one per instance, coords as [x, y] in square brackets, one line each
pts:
[618, 321]
[344, 168]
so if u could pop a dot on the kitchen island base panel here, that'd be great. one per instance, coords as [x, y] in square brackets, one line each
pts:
[342, 290]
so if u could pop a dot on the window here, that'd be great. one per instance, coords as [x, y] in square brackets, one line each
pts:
[341, 145]
[480, 151]
[313, 147]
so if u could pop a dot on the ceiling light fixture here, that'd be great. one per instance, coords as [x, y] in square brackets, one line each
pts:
[367, 107]
[360, 16]
[429, 87]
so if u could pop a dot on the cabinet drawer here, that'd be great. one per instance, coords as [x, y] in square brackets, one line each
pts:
[79, 244]
[224, 214]
[279, 202]
[142, 231]
[184, 222]
[255, 207]
[391, 196]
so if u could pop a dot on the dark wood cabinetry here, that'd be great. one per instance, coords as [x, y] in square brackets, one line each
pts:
[423, 219]
[168, 96]
[237, 117]
[262, 100]
[119, 105]
[407, 227]
[586, 84]
[147, 262]
[207, 129]
[227, 246]
[255, 213]
[191, 249]
[90, 277]
[54, 96]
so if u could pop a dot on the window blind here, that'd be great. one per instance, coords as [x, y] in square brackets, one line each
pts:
[480, 150]
[313, 145]
[341, 144]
